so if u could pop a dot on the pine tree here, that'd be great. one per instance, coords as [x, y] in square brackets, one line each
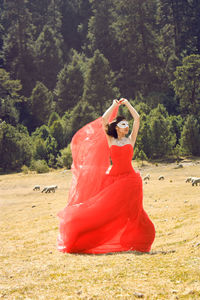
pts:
[39, 11]
[187, 85]
[71, 19]
[99, 85]
[57, 132]
[81, 114]
[179, 20]
[190, 136]
[17, 43]
[15, 148]
[9, 98]
[39, 150]
[41, 103]
[41, 132]
[85, 13]
[100, 32]
[48, 57]
[162, 139]
[53, 117]
[142, 156]
[134, 29]
[69, 87]
[144, 137]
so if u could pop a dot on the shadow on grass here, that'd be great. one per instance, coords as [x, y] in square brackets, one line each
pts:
[127, 252]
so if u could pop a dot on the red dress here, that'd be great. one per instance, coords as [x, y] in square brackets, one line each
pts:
[110, 219]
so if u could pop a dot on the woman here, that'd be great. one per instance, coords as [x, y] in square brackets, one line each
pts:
[105, 211]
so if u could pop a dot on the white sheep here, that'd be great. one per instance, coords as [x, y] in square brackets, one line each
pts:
[178, 166]
[36, 188]
[161, 177]
[44, 189]
[188, 179]
[51, 188]
[195, 181]
[147, 177]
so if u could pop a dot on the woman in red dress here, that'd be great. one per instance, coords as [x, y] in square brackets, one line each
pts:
[105, 206]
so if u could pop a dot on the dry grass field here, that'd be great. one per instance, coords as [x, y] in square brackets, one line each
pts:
[32, 268]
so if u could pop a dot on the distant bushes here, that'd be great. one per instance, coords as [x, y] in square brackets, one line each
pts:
[15, 147]
[65, 159]
[40, 166]
[24, 169]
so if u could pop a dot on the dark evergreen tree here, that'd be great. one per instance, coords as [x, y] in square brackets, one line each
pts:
[70, 21]
[99, 85]
[162, 141]
[190, 136]
[179, 26]
[85, 13]
[41, 105]
[176, 126]
[144, 140]
[187, 85]
[100, 32]
[48, 57]
[81, 114]
[53, 117]
[162, 138]
[52, 149]
[69, 87]
[17, 43]
[1, 40]
[41, 132]
[15, 148]
[39, 150]
[9, 98]
[57, 132]
[134, 28]
[39, 11]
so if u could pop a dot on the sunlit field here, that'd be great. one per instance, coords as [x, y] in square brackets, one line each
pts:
[32, 268]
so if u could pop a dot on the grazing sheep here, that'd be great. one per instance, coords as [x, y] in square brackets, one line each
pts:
[51, 188]
[178, 166]
[161, 177]
[195, 181]
[36, 188]
[188, 179]
[44, 189]
[147, 177]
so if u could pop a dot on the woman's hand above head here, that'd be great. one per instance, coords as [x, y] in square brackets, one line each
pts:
[115, 101]
[108, 113]
[123, 101]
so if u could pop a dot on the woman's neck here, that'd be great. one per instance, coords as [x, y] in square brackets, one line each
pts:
[120, 137]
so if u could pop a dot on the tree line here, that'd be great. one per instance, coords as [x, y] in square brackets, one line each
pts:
[62, 62]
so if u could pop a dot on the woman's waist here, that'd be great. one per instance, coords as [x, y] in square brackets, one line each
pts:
[118, 170]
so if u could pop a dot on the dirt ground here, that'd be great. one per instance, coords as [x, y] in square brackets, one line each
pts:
[32, 268]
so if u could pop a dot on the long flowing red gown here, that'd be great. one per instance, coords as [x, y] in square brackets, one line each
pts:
[105, 209]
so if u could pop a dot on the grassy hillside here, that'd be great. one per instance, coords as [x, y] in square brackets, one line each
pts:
[32, 268]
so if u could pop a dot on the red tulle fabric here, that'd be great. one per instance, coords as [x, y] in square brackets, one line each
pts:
[104, 211]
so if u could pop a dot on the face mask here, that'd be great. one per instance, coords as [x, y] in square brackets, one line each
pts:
[122, 124]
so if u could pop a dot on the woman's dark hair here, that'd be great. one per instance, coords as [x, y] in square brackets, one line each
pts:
[111, 130]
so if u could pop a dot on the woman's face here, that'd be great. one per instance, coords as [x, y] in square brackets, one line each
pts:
[122, 127]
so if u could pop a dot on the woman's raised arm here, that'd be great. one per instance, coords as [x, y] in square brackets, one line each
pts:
[136, 117]
[108, 112]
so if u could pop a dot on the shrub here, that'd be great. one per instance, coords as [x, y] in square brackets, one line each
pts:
[24, 169]
[65, 160]
[190, 136]
[40, 166]
[15, 147]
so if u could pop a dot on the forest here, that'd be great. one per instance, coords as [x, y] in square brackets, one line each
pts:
[62, 62]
